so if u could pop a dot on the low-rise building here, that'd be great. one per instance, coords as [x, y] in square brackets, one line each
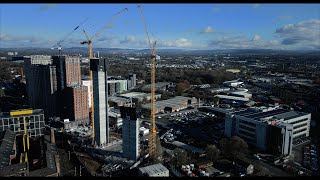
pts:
[155, 170]
[269, 129]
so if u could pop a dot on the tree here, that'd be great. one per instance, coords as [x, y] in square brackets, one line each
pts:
[212, 153]
[182, 86]
[180, 157]
[233, 147]
[165, 95]
[239, 146]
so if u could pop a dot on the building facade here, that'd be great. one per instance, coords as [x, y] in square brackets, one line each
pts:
[73, 72]
[14, 121]
[130, 133]
[100, 100]
[41, 81]
[77, 108]
[269, 129]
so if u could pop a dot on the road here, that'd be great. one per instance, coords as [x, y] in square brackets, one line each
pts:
[274, 171]
[173, 113]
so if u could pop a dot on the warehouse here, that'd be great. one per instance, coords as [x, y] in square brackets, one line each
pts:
[172, 105]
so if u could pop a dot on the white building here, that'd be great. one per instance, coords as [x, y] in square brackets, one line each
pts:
[269, 129]
[155, 170]
[88, 84]
[100, 100]
[130, 133]
[233, 83]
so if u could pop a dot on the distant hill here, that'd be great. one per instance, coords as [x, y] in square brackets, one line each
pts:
[104, 51]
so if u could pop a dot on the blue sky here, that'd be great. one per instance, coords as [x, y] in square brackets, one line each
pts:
[190, 26]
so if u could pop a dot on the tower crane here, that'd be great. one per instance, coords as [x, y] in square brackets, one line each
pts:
[152, 129]
[89, 42]
[58, 45]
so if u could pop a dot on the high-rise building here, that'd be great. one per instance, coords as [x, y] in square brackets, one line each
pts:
[100, 100]
[68, 70]
[77, 108]
[73, 72]
[133, 78]
[70, 100]
[130, 133]
[87, 83]
[41, 83]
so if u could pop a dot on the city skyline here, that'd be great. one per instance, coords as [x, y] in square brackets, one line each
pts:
[185, 26]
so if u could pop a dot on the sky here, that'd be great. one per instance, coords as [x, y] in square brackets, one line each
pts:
[183, 26]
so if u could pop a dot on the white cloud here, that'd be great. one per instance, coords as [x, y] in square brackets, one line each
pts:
[208, 29]
[242, 42]
[180, 43]
[183, 42]
[128, 39]
[304, 34]
[256, 38]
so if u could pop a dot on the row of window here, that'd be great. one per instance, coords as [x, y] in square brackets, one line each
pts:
[246, 133]
[247, 128]
[6, 121]
[301, 130]
[301, 125]
[248, 123]
[301, 120]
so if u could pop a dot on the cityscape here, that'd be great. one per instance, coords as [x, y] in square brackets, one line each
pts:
[193, 90]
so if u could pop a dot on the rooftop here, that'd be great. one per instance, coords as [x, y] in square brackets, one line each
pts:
[153, 169]
[232, 98]
[276, 113]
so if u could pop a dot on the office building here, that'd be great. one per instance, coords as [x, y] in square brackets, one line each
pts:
[100, 100]
[77, 108]
[130, 133]
[15, 122]
[269, 129]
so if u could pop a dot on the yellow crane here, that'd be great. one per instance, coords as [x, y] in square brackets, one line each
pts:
[24, 139]
[89, 42]
[152, 129]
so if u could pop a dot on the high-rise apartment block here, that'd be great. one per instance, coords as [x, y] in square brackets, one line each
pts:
[77, 108]
[100, 100]
[41, 83]
[130, 133]
[47, 81]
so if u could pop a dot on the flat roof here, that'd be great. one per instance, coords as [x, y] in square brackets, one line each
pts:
[153, 169]
[232, 98]
[187, 146]
[34, 112]
[173, 102]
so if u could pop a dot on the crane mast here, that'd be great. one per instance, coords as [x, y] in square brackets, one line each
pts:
[152, 129]
[89, 42]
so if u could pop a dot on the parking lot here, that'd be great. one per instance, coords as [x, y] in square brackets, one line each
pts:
[310, 157]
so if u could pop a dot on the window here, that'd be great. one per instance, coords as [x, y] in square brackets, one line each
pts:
[248, 123]
[247, 128]
[246, 133]
[301, 125]
[295, 122]
[301, 130]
